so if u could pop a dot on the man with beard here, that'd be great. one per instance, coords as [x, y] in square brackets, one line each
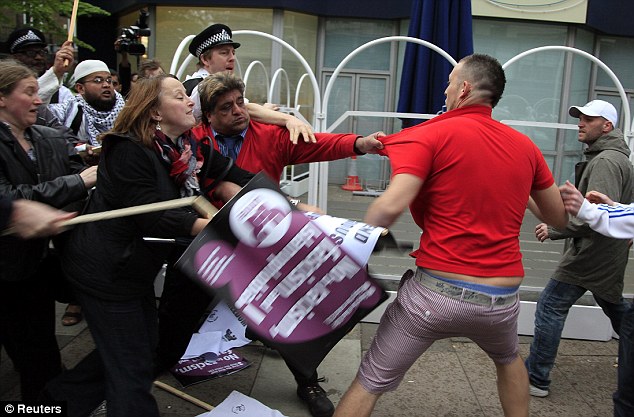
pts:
[88, 114]
[28, 46]
[96, 106]
[591, 261]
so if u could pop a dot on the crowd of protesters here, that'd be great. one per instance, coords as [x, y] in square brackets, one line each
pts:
[116, 139]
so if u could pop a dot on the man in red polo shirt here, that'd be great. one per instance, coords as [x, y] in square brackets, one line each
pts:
[466, 179]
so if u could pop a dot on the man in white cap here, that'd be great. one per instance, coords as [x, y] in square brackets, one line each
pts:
[216, 52]
[591, 262]
[96, 106]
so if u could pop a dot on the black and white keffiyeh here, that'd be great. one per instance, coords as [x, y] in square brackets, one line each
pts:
[99, 121]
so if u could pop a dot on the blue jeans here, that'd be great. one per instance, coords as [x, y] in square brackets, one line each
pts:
[624, 395]
[552, 309]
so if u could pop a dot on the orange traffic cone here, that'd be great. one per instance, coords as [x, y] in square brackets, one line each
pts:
[352, 181]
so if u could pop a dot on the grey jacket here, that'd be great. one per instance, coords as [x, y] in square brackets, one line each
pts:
[591, 260]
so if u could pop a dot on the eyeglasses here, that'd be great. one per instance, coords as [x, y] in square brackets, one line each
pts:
[99, 80]
[32, 53]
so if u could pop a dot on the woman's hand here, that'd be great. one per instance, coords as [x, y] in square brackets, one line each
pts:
[31, 219]
[89, 175]
[199, 225]
[309, 208]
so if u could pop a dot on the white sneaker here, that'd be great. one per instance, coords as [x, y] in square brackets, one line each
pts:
[538, 392]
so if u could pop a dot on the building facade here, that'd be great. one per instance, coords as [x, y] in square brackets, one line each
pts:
[540, 86]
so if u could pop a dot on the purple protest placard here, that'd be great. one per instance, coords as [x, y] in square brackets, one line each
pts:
[297, 289]
[208, 366]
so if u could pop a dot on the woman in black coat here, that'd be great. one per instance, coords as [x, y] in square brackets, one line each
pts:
[149, 156]
[36, 163]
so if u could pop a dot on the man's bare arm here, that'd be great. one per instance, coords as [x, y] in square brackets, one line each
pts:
[551, 207]
[386, 209]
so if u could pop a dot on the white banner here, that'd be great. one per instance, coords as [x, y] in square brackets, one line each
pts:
[220, 332]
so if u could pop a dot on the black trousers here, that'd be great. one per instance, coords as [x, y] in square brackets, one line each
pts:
[183, 304]
[120, 370]
[27, 331]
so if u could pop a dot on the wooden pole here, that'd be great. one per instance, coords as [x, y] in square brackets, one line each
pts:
[204, 207]
[183, 395]
[200, 204]
[71, 27]
[131, 211]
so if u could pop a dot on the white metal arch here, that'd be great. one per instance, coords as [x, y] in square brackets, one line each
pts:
[277, 74]
[627, 121]
[252, 65]
[321, 183]
[370, 44]
[177, 56]
[298, 89]
[300, 58]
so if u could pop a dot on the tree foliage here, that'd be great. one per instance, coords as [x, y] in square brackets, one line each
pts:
[45, 15]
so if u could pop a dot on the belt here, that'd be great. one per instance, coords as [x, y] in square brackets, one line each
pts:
[463, 294]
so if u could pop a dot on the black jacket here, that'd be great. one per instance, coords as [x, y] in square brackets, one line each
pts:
[54, 180]
[121, 264]
[5, 211]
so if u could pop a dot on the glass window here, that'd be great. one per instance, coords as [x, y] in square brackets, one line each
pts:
[340, 101]
[617, 54]
[571, 141]
[372, 97]
[300, 31]
[534, 83]
[345, 35]
[170, 31]
[568, 168]
[581, 72]
[505, 39]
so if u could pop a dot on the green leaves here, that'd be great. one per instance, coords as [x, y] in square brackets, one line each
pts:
[48, 16]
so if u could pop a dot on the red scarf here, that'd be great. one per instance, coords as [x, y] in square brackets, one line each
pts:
[183, 158]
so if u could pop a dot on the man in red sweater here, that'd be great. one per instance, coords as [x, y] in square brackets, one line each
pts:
[255, 147]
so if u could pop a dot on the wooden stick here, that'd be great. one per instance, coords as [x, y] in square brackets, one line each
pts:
[204, 207]
[184, 396]
[200, 204]
[71, 27]
[73, 19]
[131, 211]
